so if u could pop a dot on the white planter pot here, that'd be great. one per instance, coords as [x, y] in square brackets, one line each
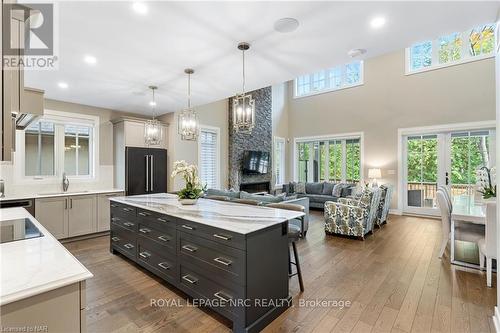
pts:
[188, 201]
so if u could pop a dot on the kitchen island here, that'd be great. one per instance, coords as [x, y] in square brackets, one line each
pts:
[42, 286]
[230, 257]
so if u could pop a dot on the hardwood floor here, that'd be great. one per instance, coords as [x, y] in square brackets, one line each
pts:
[393, 281]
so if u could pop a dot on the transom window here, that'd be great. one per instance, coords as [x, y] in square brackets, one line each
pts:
[339, 77]
[334, 160]
[53, 145]
[451, 49]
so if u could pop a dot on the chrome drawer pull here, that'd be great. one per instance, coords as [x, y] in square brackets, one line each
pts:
[164, 265]
[187, 227]
[128, 224]
[189, 279]
[225, 262]
[114, 219]
[145, 254]
[190, 248]
[145, 230]
[161, 220]
[164, 238]
[115, 239]
[128, 246]
[114, 206]
[222, 297]
[128, 209]
[222, 237]
[143, 214]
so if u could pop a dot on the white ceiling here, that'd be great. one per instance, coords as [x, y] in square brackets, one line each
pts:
[134, 51]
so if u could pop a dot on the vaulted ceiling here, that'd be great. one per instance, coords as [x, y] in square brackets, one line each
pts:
[135, 50]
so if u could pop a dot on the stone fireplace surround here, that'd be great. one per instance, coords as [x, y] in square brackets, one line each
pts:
[260, 139]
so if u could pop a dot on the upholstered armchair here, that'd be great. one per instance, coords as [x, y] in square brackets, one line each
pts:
[352, 216]
[385, 204]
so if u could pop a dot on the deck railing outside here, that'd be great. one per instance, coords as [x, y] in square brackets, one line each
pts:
[428, 192]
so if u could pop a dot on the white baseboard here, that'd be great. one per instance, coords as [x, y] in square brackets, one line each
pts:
[395, 211]
[496, 320]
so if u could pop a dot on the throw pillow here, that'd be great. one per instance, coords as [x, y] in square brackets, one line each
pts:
[291, 197]
[300, 188]
[263, 198]
[360, 187]
[337, 190]
[291, 187]
[314, 188]
[328, 188]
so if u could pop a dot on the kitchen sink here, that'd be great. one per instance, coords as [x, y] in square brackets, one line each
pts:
[61, 192]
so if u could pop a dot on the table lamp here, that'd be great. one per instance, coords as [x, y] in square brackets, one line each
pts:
[374, 174]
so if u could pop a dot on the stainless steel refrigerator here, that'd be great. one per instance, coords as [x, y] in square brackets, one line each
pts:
[145, 170]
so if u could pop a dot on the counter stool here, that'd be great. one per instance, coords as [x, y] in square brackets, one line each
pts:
[293, 236]
[294, 207]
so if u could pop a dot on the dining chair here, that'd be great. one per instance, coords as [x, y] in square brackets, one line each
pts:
[488, 244]
[467, 232]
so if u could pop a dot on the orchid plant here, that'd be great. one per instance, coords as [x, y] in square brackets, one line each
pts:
[193, 188]
[486, 182]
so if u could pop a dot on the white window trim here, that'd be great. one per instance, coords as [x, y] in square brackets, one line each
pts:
[62, 118]
[217, 152]
[343, 136]
[466, 57]
[277, 140]
[360, 83]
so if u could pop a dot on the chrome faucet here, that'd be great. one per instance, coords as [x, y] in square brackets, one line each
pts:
[65, 182]
[2, 188]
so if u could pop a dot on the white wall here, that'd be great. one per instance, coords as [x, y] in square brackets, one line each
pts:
[389, 100]
[213, 114]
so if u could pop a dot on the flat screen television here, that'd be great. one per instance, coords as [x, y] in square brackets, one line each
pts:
[255, 162]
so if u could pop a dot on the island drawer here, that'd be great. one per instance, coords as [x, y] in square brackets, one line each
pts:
[156, 259]
[165, 237]
[129, 224]
[122, 241]
[159, 221]
[224, 298]
[122, 210]
[219, 261]
[215, 234]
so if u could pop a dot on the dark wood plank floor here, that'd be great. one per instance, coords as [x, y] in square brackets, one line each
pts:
[393, 281]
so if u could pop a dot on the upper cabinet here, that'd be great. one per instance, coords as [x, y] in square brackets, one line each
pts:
[20, 105]
[130, 133]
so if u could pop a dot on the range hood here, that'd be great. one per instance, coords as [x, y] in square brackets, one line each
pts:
[31, 108]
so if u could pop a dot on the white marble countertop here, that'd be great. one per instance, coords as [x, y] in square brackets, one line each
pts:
[33, 266]
[239, 218]
[50, 194]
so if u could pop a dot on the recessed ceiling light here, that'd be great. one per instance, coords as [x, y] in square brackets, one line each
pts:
[62, 85]
[377, 22]
[140, 7]
[356, 52]
[89, 59]
[286, 24]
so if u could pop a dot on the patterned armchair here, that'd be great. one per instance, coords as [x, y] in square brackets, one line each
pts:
[385, 203]
[352, 216]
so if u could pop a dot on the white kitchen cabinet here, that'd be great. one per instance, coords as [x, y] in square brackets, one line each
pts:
[82, 214]
[103, 213]
[52, 213]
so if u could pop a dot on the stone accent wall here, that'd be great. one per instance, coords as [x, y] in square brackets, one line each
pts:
[260, 139]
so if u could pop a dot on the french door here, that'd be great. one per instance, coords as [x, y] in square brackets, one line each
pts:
[448, 159]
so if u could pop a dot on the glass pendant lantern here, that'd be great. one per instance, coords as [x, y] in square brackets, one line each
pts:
[243, 104]
[153, 132]
[187, 122]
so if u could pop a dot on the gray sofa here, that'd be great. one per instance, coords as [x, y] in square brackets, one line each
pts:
[267, 199]
[319, 193]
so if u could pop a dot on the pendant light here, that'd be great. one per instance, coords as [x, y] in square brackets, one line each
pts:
[188, 126]
[153, 131]
[243, 104]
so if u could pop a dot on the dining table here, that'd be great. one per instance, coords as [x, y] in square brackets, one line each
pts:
[466, 209]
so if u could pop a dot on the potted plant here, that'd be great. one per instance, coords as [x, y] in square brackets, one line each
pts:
[486, 182]
[193, 190]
